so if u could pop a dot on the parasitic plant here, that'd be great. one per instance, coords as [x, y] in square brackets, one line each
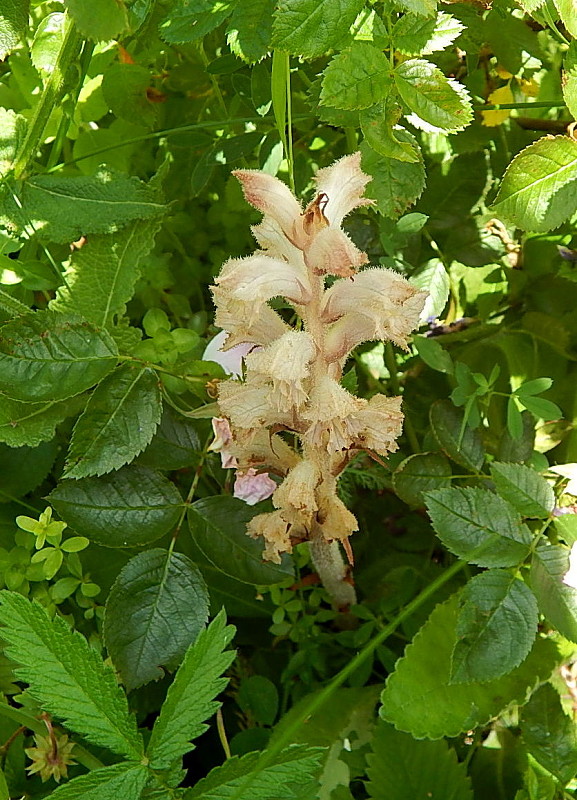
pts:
[292, 381]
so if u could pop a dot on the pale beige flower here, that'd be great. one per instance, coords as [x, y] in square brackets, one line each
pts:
[343, 184]
[331, 252]
[334, 518]
[237, 317]
[246, 405]
[275, 532]
[222, 443]
[328, 413]
[378, 425]
[297, 491]
[261, 449]
[272, 197]
[285, 363]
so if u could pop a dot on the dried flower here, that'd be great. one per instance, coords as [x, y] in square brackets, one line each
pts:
[292, 383]
[51, 757]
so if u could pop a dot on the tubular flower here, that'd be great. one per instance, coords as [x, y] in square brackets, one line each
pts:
[292, 381]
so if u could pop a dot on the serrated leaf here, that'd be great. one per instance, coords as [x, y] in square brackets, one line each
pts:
[190, 700]
[51, 356]
[358, 77]
[433, 279]
[569, 79]
[103, 203]
[566, 9]
[310, 28]
[533, 192]
[549, 734]
[294, 769]
[420, 473]
[249, 31]
[415, 36]
[395, 185]
[118, 422]
[155, 610]
[101, 276]
[190, 20]
[424, 7]
[530, 5]
[218, 527]
[99, 20]
[175, 445]
[557, 601]
[378, 125]
[496, 627]
[30, 423]
[446, 424]
[419, 698]
[124, 88]
[439, 104]
[134, 506]
[524, 488]
[125, 780]
[13, 24]
[67, 676]
[479, 526]
[12, 132]
[402, 768]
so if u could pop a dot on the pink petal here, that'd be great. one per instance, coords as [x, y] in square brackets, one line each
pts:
[252, 487]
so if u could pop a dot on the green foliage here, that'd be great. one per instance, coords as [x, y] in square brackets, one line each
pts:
[550, 734]
[557, 601]
[100, 20]
[310, 28]
[356, 78]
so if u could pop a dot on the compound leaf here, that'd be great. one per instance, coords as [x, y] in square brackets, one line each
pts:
[549, 734]
[420, 699]
[309, 28]
[402, 768]
[557, 601]
[465, 449]
[67, 676]
[496, 627]
[358, 77]
[50, 356]
[190, 700]
[524, 488]
[532, 193]
[478, 525]
[125, 780]
[30, 423]
[118, 423]
[130, 507]
[420, 473]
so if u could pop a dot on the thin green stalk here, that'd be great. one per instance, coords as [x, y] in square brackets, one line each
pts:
[52, 93]
[281, 105]
[391, 364]
[503, 106]
[319, 700]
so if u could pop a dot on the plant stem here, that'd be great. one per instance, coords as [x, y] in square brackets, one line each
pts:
[391, 364]
[52, 93]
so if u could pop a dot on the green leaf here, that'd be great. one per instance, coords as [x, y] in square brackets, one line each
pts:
[99, 20]
[537, 186]
[395, 184]
[50, 356]
[424, 7]
[294, 769]
[549, 734]
[464, 447]
[540, 407]
[154, 612]
[439, 104]
[420, 699]
[569, 79]
[117, 424]
[309, 28]
[101, 276]
[124, 90]
[249, 31]
[479, 526]
[514, 419]
[47, 42]
[566, 9]
[377, 123]
[358, 77]
[125, 780]
[30, 423]
[218, 527]
[415, 36]
[420, 473]
[524, 488]
[402, 768]
[190, 20]
[535, 386]
[496, 627]
[557, 601]
[103, 203]
[433, 279]
[190, 700]
[24, 468]
[13, 25]
[67, 676]
[433, 354]
[12, 132]
[131, 507]
[175, 444]
[258, 696]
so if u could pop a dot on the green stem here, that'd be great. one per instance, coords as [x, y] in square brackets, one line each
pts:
[498, 106]
[290, 733]
[391, 364]
[52, 93]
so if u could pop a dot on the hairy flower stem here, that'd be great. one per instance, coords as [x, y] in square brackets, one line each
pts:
[330, 567]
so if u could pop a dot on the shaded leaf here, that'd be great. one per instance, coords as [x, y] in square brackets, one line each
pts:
[24, 468]
[395, 184]
[154, 612]
[99, 20]
[310, 28]
[378, 123]
[549, 734]
[118, 423]
[557, 601]
[419, 698]
[433, 354]
[13, 24]
[190, 20]
[50, 356]
[524, 488]
[175, 444]
[134, 506]
[249, 31]
[446, 424]
[424, 7]
[67, 676]
[420, 473]
[30, 423]
[124, 88]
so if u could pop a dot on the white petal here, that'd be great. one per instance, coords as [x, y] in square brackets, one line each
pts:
[343, 183]
[271, 196]
[332, 252]
[230, 360]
